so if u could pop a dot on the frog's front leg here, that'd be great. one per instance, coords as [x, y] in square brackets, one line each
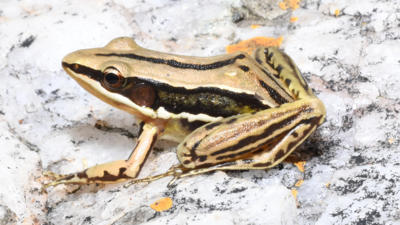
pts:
[116, 171]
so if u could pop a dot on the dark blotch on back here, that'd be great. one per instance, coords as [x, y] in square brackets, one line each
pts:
[288, 81]
[231, 121]
[196, 145]
[274, 94]
[269, 57]
[279, 69]
[279, 155]
[212, 125]
[244, 68]
[202, 158]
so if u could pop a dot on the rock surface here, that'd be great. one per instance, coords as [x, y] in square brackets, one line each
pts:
[47, 121]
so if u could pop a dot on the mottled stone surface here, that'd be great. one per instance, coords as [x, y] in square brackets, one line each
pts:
[47, 121]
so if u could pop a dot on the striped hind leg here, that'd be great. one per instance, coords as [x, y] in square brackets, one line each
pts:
[264, 158]
[282, 67]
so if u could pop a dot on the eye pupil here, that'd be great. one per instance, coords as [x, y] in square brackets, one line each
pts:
[112, 78]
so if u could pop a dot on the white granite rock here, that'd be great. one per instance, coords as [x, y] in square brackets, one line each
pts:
[47, 121]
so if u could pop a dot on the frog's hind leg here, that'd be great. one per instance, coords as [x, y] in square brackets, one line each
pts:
[112, 172]
[248, 141]
[266, 157]
[282, 67]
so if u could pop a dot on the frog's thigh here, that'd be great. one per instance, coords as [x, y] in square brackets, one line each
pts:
[283, 68]
[268, 156]
[116, 171]
[239, 136]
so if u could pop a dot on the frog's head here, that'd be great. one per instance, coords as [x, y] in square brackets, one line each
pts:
[108, 77]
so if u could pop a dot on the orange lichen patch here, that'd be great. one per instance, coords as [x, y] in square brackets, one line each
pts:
[251, 44]
[337, 12]
[162, 204]
[20, 121]
[299, 183]
[300, 165]
[293, 19]
[255, 26]
[294, 4]
[391, 141]
[282, 5]
[294, 192]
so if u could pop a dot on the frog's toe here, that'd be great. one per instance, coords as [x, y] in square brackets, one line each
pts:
[59, 179]
[54, 175]
[175, 170]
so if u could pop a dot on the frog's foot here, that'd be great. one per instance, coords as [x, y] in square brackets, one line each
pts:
[54, 175]
[59, 179]
[177, 171]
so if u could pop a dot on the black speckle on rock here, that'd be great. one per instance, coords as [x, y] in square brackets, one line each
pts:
[371, 107]
[357, 160]
[55, 92]
[237, 190]
[87, 220]
[369, 218]
[219, 190]
[40, 92]
[237, 16]
[27, 42]
[351, 186]
[173, 39]
[340, 214]
[362, 79]
[347, 123]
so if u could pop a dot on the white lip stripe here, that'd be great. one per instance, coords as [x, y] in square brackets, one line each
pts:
[164, 114]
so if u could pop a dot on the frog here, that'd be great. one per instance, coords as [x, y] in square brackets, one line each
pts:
[227, 112]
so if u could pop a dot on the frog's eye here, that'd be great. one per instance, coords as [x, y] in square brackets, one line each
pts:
[113, 79]
[143, 95]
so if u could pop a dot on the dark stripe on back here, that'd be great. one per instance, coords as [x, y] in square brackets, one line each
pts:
[177, 64]
[244, 68]
[274, 94]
